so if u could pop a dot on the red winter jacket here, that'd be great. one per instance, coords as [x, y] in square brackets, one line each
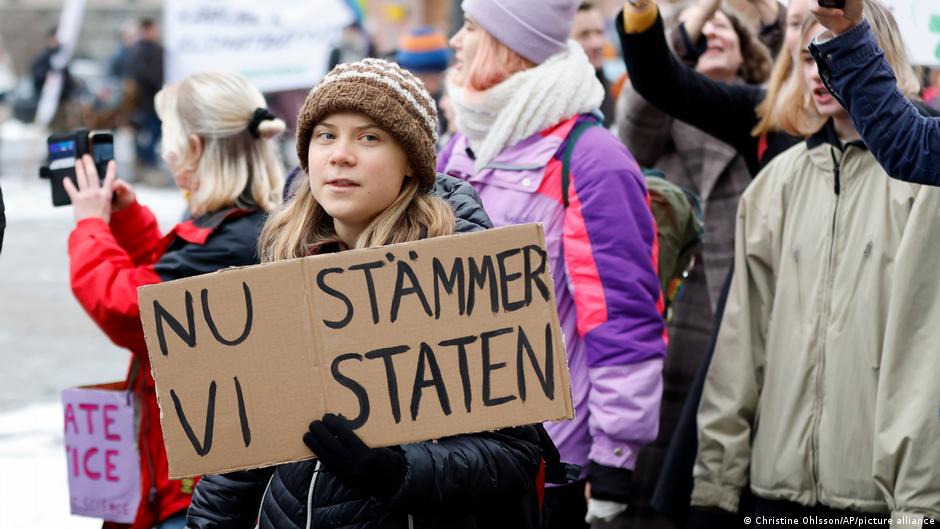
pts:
[108, 264]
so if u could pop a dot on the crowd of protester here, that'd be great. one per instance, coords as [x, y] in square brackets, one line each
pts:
[793, 376]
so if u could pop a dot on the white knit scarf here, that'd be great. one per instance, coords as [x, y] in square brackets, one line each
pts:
[527, 102]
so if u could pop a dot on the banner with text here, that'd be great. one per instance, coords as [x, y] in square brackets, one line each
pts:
[410, 342]
[277, 44]
[101, 451]
[919, 21]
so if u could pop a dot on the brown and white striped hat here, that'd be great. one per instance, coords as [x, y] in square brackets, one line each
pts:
[394, 98]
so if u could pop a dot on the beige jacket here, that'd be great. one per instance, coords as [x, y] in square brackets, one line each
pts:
[823, 387]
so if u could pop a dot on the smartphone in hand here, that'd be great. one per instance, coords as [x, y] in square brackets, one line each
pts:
[832, 4]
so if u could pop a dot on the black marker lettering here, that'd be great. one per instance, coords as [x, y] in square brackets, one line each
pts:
[454, 281]
[391, 379]
[462, 344]
[426, 358]
[207, 314]
[479, 275]
[546, 376]
[339, 324]
[370, 283]
[162, 315]
[488, 368]
[360, 392]
[201, 448]
[242, 413]
[534, 276]
[505, 279]
[404, 269]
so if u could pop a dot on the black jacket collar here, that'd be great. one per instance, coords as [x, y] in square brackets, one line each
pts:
[828, 135]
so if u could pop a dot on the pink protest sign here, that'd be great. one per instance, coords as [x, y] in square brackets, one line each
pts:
[101, 450]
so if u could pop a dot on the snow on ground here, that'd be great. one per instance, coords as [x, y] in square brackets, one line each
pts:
[46, 345]
[33, 489]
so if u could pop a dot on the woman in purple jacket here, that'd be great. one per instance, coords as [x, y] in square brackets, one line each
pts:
[519, 89]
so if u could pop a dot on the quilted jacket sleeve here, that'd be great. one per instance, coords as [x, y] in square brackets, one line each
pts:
[467, 471]
[466, 203]
[228, 500]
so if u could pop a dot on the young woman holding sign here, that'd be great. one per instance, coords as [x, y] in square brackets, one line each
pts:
[365, 139]
[217, 141]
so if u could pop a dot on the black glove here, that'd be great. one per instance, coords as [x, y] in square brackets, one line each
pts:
[609, 483]
[377, 472]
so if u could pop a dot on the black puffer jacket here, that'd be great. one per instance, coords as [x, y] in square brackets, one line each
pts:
[466, 203]
[463, 482]
[485, 480]
[462, 197]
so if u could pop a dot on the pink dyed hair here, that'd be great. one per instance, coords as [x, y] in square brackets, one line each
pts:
[494, 63]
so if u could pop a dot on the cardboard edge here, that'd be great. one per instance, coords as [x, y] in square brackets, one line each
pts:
[141, 294]
[455, 236]
[272, 463]
[569, 400]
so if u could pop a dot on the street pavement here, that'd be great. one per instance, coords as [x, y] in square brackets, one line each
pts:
[47, 344]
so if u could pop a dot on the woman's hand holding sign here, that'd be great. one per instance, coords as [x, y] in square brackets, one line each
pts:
[375, 471]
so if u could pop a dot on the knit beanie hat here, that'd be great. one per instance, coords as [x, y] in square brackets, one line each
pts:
[392, 97]
[423, 50]
[534, 32]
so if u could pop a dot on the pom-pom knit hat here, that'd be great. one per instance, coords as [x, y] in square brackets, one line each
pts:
[423, 50]
[392, 97]
[534, 30]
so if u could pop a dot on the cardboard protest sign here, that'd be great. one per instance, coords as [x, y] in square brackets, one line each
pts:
[101, 450]
[411, 342]
[276, 44]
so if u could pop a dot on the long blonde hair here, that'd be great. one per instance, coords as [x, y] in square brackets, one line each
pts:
[235, 168]
[301, 227]
[804, 120]
[782, 82]
[788, 107]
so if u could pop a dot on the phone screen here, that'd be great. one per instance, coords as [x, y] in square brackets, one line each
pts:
[61, 154]
[102, 152]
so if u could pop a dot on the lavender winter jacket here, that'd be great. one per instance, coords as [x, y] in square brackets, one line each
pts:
[602, 250]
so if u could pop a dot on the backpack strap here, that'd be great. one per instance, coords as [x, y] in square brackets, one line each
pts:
[573, 136]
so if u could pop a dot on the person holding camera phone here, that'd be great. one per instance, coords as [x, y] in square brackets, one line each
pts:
[217, 140]
[854, 69]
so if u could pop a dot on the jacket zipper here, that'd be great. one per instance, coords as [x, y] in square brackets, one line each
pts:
[824, 327]
[313, 484]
